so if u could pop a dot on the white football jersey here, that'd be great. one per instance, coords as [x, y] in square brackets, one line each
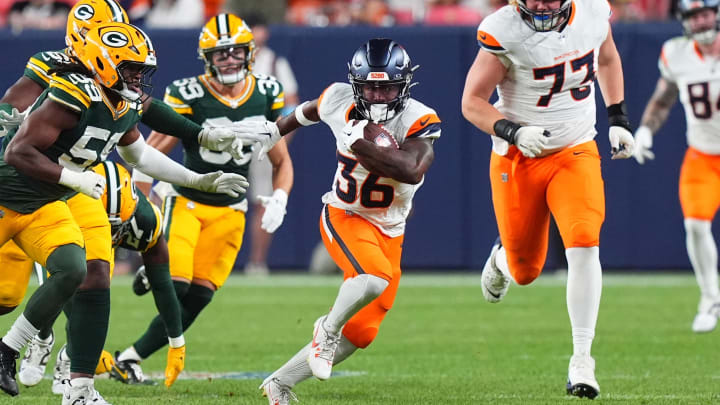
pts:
[383, 201]
[698, 79]
[550, 77]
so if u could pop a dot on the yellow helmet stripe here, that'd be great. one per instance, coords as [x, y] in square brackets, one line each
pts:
[113, 189]
[117, 12]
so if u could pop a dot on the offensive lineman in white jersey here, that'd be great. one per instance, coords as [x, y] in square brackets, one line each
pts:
[689, 68]
[543, 57]
[363, 221]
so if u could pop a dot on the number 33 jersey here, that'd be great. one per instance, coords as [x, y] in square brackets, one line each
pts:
[698, 80]
[550, 75]
[383, 201]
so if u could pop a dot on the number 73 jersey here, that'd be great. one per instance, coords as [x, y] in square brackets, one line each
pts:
[550, 75]
[382, 201]
[698, 80]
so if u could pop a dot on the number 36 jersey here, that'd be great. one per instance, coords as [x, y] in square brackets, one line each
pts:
[698, 80]
[550, 75]
[262, 97]
[383, 201]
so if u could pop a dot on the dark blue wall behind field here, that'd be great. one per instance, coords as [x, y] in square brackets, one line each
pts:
[452, 225]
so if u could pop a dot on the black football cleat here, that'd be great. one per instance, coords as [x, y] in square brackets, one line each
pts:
[8, 369]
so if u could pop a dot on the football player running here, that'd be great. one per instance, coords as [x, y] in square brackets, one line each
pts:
[687, 70]
[204, 231]
[543, 56]
[363, 221]
[91, 105]
[17, 266]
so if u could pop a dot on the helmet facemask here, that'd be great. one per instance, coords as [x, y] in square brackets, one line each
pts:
[135, 81]
[229, 57]
[380, 109]
[546, 20]
[704, 36]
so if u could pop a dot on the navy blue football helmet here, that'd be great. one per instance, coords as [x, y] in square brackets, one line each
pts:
[384, 64]
[686, 8]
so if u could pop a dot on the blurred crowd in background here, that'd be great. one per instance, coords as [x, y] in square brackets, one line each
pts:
[51, 14]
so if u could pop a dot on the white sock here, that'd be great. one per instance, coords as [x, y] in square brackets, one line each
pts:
[20, 333]
[81, 382]
[501, 262]
[354, 294]
[584, 287]
[296, 369]
[129, 354]
[703, 255]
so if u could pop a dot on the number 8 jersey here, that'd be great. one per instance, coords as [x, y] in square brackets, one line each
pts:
[550, 75]
[383, 201]
[698, 80]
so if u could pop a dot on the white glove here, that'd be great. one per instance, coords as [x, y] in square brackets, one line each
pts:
[621, 142]
[643, 143]
[531, 140]
[219, 182]
[353, 132]
[222, 139]
[274, 210]
[10, 120]
[87, 182]
[265, 134]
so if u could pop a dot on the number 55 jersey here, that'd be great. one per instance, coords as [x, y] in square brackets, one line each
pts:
[698, 80]
[382, 201]
[550, 76]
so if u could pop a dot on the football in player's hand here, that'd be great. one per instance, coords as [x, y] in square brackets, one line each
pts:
[380, 136]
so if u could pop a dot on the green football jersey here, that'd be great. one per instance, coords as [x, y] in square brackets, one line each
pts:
[100, 127]
[38, 65]
[261, 98]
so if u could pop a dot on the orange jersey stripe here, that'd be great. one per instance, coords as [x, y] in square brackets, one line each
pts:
[322, 95]
[422, 123]
[572, 13]
[488, 41]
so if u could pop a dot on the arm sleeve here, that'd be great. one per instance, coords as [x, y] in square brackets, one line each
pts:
[156, 164]
[164, 119]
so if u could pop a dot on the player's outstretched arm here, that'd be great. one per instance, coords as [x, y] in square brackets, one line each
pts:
[282, 180]
[407, 165]
[133, 149]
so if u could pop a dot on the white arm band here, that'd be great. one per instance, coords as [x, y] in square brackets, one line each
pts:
[156, 164]
[301, 118]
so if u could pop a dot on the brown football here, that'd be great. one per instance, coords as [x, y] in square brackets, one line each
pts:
[380, 136]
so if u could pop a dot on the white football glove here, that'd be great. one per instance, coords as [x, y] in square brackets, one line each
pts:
[531, 140]
[87, 182]
[265, 134]
[621, 142]
[222, 139]
[219, 182]
[274, 210]
[643, 143]
[353, 132]
[10, 120]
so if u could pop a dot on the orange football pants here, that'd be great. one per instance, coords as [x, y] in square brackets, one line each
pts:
[700, 185]
[525, 191]
[358, 247]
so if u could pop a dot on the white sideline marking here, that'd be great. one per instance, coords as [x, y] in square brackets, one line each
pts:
[235, 375]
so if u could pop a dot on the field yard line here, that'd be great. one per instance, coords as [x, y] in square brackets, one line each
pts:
[447, 280]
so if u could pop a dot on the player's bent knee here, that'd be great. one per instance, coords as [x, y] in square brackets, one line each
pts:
[584, 234]
[6, 309]
[527, 275]
[697, 227]
[67, 265]
[361, 337]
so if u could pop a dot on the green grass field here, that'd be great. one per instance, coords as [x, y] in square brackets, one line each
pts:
[441, 344]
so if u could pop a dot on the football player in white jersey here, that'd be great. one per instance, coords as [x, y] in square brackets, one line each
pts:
[363, 221]
[688, 68]
[543, 57]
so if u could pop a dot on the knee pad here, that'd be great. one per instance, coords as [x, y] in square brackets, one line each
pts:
[584, 234]
[68, 266]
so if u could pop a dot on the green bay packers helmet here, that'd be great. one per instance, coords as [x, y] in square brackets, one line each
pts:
[120, 198]
[226, 32]
[121, 57]
[85, 14]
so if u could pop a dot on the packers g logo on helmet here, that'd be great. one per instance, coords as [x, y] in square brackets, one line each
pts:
[226, 32]
[85, 14]
[121, 57]
[120, 198]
